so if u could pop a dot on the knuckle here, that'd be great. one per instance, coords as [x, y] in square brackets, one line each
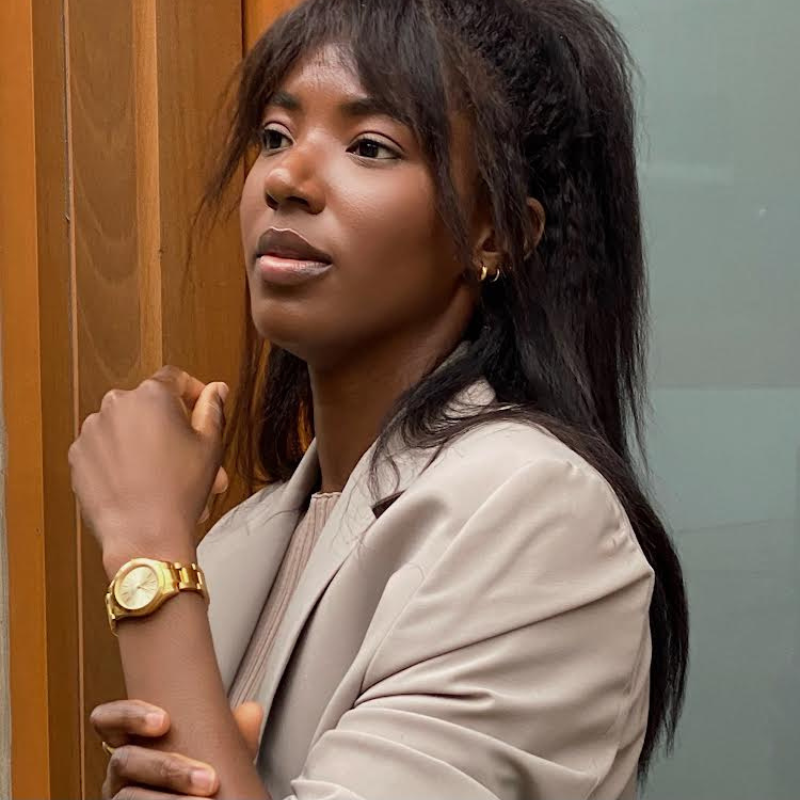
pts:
[153, 390]
[173, 773]
[110, 398]
[168, 372]
[89, 422]
[151, 385]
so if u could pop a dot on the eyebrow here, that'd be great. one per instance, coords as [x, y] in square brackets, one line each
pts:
[354, 108]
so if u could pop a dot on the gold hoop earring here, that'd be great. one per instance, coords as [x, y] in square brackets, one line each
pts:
[485, 274]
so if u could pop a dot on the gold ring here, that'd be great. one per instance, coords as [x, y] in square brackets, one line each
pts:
[109, 750]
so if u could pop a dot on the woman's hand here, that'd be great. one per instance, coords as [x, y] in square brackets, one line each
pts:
[144, 466]
[147, 773]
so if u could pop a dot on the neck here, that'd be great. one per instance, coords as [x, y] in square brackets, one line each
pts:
[352, 400]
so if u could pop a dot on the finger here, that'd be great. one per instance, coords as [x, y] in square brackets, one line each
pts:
[117, 721]
[169, 772]
[221, 484]
[181, 383]
[208, 417]
[249, 717]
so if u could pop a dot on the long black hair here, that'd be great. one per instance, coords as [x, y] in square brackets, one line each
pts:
[562, 337]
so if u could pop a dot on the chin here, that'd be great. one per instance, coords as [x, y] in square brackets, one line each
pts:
[286, 330]
[310, 343]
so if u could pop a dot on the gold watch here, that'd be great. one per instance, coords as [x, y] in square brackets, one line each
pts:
[143, 585]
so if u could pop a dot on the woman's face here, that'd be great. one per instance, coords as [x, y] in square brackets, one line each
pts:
[344, 247]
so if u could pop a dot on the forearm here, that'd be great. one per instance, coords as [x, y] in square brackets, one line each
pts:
[168, 660]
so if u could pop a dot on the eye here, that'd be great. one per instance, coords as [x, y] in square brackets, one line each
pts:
[374, 150]
[272, 140]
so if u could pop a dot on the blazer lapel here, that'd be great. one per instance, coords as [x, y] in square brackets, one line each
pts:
[354, 513]
[241, 558]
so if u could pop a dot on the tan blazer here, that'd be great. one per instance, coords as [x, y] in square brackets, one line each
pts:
[472, 628]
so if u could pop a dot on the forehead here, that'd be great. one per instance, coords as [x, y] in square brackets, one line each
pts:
[327, 70]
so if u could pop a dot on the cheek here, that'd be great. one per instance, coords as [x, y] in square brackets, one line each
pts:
[397, 251]
[394, 254]
[390, 221]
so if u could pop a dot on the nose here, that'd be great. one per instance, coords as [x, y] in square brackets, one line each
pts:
[294, 180]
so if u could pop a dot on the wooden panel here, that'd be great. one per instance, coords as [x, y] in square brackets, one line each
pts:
[38, 404]
[145, 79]
[109, 309]
[199, 46]
[58, 402]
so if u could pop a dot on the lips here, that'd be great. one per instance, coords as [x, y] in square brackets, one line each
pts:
[289, 245]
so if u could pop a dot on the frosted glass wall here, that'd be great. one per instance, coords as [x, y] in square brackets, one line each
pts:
[720, 171]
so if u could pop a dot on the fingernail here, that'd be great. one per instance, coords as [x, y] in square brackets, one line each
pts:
[224, 390]
[202, 780]
[154, 720]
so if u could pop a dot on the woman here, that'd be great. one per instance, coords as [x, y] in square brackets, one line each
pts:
[458, 589]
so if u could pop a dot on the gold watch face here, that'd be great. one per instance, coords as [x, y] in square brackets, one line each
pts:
[137, 589]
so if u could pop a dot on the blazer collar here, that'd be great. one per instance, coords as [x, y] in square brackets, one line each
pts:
[349, 522]
[241, 557]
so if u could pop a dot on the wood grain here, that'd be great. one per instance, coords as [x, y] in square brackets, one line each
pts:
[145, 80]
[58, 401]
[109, 308]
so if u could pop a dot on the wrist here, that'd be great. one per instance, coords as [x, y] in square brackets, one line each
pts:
[174, 544]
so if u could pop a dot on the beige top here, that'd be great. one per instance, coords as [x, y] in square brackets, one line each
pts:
[252, 669]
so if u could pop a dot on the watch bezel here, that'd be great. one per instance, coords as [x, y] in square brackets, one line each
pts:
[138, 563]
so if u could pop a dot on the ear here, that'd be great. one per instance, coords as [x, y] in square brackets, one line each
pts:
[486, 252]
[538, 221]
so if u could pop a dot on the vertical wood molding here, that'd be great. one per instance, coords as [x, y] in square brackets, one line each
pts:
[22, 404]
[57, 400]
[40, 512]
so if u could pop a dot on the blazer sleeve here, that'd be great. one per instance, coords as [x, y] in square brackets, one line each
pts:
[519, 669]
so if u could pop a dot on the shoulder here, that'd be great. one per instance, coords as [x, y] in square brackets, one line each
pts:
[510, 504]
[501, 460]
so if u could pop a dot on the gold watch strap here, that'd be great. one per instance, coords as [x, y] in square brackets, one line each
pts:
[191, 578]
